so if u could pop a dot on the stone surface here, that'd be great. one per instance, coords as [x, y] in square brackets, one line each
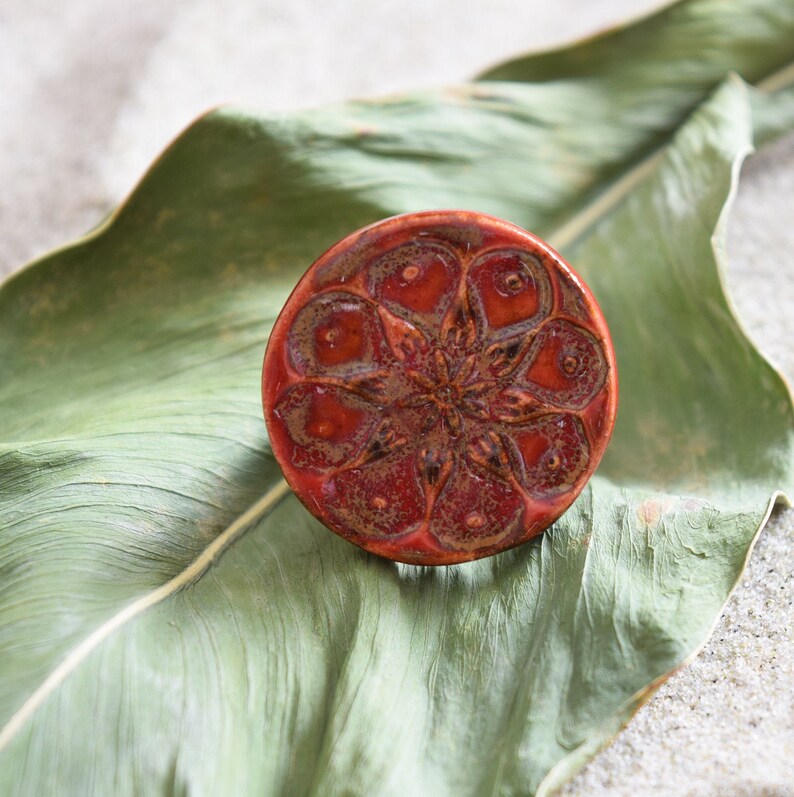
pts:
[90, 94]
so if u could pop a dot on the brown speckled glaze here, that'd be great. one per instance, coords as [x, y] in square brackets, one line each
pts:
[439, 387]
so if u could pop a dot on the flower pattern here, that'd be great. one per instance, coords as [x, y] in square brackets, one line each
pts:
[439, 394]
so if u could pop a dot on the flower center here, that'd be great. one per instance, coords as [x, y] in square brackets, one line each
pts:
[447, 395]
[452, 392]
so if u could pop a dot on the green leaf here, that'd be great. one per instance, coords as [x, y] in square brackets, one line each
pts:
[623, 92]
[172, 620]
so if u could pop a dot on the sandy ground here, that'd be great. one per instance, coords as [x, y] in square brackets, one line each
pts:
[89, 95]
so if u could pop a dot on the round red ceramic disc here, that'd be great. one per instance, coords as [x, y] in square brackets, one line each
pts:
[439, 387]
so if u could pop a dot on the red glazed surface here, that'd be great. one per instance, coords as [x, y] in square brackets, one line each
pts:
[439, 387]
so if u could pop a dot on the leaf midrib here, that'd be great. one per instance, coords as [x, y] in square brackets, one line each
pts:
[629, 179]
[187, 576]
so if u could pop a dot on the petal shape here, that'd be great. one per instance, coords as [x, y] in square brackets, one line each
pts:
[565, 366]
[336, 333]
[382, 498]
[416, 281]
[552, 454]
[322, 426]
[475, 510]
[510, 292]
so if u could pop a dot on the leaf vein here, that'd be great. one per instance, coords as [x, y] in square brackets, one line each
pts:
[189, 575]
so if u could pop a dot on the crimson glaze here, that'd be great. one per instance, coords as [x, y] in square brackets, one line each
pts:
[439, 387]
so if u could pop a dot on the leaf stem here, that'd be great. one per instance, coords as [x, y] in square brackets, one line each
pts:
[572, 229]
[781, 79]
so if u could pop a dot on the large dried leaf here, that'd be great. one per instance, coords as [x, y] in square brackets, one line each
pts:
[172, 620]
